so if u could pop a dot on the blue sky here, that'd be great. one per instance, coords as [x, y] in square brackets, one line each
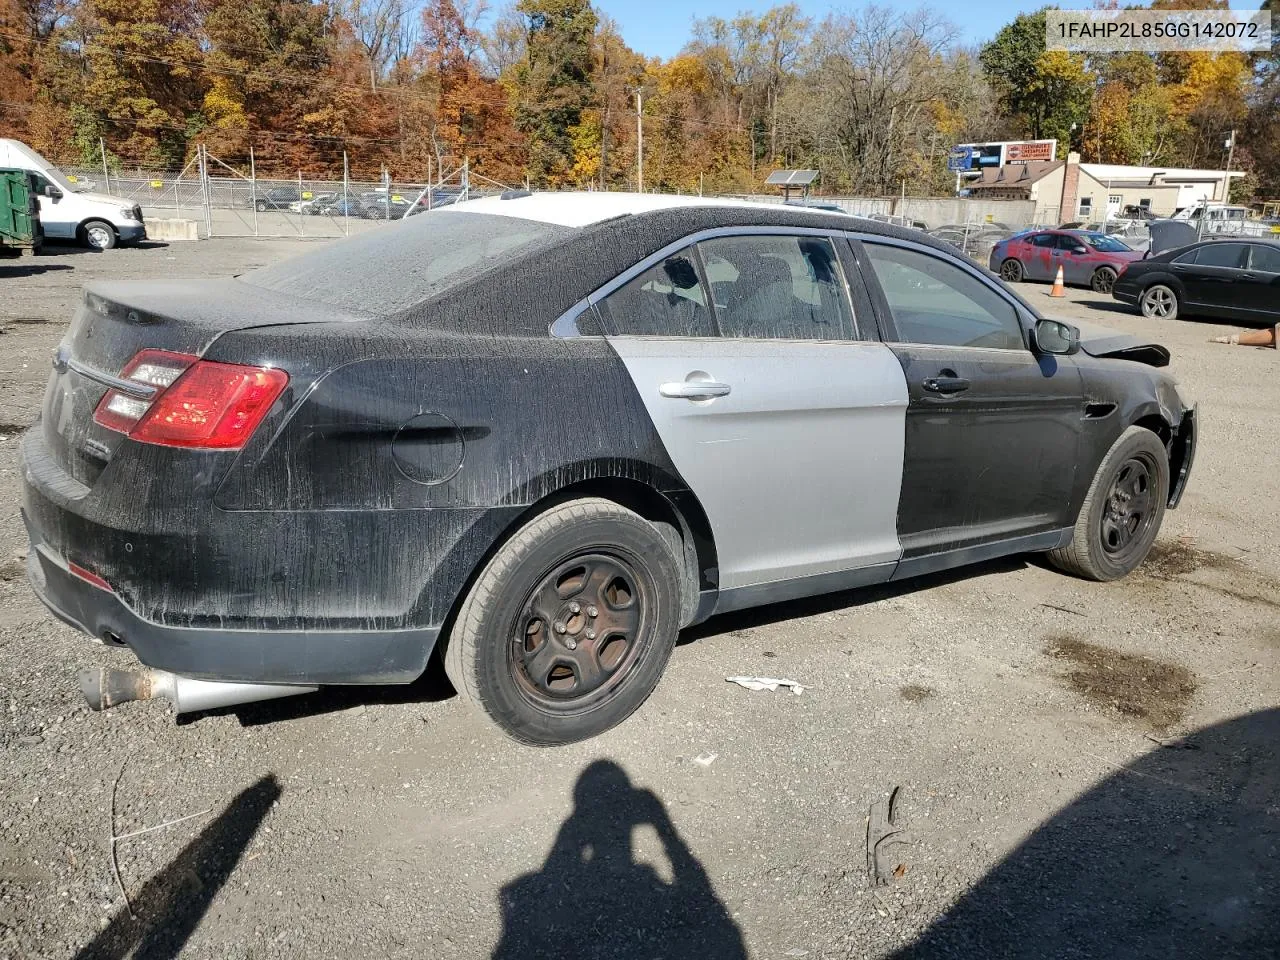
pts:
[661, 27]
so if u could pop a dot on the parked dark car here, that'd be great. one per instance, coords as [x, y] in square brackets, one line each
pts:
[1236, 280]
[1088, 258]
[547, 432]
[342, 207]
[379, 206]
[275, 198]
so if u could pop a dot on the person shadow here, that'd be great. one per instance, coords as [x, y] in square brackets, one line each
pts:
[1175, 855]
[591, 899]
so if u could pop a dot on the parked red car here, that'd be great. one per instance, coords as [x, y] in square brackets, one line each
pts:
[1087, 258]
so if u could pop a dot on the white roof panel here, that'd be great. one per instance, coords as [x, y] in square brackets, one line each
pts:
[581, 209]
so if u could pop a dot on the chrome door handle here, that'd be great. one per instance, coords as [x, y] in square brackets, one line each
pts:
[694, 390]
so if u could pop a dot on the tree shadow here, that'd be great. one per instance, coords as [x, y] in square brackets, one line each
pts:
[173, 902]
[591, 899]
[1175, 855]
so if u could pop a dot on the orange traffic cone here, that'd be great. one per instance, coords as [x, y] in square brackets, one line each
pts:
[1058, 289]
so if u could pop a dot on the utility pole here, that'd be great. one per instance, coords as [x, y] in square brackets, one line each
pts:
[639, 140]
[1231, 152]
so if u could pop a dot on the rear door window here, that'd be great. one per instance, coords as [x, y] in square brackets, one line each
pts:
[666, 300]
[1043, 240]
[1221, 255]
[768, 287]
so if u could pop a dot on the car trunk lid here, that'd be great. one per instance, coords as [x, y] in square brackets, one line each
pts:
[116, 320]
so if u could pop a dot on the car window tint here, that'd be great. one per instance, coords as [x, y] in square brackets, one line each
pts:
[1220, 255]
[426, 256]
[1265, 259]
[777, 288]
[667, 300]
[1068, 242]
[1044, 240]
[934, 301]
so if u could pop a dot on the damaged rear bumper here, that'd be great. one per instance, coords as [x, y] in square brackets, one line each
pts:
[1182, 455]
[248, 656]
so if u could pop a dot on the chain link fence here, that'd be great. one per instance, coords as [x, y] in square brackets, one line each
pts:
[228, 200]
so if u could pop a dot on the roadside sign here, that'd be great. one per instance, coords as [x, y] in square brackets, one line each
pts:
[1275, 228]
[307, 194]
[73, 178]
[960, 158]
[990, 218]
[157, 184]
[396, 198]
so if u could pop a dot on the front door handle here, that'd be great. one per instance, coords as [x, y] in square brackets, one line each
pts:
[945, 384]
[694, 390]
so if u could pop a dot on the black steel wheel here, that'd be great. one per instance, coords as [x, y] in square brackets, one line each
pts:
[569, 626]
[1104, 278]
[1012, 271]
[1122, 512]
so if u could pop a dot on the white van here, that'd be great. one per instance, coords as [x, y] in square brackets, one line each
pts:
[94, 219]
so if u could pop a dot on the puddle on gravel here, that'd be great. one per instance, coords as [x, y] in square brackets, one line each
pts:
[1154, 692]
[1176, 558]
[914, 693]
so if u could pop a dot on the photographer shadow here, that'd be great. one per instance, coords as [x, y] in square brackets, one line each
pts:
[591, 899]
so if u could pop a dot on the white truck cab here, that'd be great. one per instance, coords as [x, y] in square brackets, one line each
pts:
[94, 219]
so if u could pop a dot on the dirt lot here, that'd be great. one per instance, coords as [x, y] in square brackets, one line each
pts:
[1084, 770]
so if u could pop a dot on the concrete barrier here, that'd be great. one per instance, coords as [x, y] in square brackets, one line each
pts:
[172, 230]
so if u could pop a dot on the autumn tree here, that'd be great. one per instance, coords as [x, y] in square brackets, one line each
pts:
[551, 87]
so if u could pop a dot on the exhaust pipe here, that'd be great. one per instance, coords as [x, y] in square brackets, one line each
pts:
[105, 688]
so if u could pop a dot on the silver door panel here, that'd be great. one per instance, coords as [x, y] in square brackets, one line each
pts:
[799, 464]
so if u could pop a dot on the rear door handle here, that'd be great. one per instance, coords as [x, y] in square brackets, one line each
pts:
[694, 390]
[945, 384]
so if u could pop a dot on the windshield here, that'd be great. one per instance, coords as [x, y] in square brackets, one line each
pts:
[1100, 241]
[51, 173]
[426, 256]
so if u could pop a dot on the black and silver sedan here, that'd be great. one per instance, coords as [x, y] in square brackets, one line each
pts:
[544, 432]
[1237, 280]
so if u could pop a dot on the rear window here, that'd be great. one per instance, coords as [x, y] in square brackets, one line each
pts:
[394, 267]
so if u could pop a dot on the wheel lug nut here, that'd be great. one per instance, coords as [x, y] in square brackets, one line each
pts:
[575, 608]
[571, 644]
[592, 612]
[591, 634]
[561, 628]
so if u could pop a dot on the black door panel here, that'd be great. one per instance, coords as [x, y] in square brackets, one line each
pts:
[993, 460]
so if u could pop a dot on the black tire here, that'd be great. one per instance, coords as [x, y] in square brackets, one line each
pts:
[1104, 278]
[262, 206]
[1159, 302]
[1012, 271]
[553, 583]
[98, 235]
[1121, 515]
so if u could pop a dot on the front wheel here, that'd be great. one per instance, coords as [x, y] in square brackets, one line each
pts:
[262, 206]
[1122, 513]
[1104, 278]
[99, 235]
[569, 626]
[1011, 271]
[1159, 302]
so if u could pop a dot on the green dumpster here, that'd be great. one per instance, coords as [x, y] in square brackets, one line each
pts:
[19, 212]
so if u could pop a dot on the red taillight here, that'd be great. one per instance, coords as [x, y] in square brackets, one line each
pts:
[198, 403]
[88, 576]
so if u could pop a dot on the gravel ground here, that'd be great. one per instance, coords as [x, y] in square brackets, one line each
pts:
[1013, 707]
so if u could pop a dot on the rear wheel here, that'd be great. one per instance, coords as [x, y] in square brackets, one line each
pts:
[262, 206]
[1121, 515]
[99, 234]
[1011, 270]
[1104, 278]
[1159, 302]
[569, 626]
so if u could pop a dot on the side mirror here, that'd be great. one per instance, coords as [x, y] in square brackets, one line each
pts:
[1060, 339]
[52, 192]
[1080, 249]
